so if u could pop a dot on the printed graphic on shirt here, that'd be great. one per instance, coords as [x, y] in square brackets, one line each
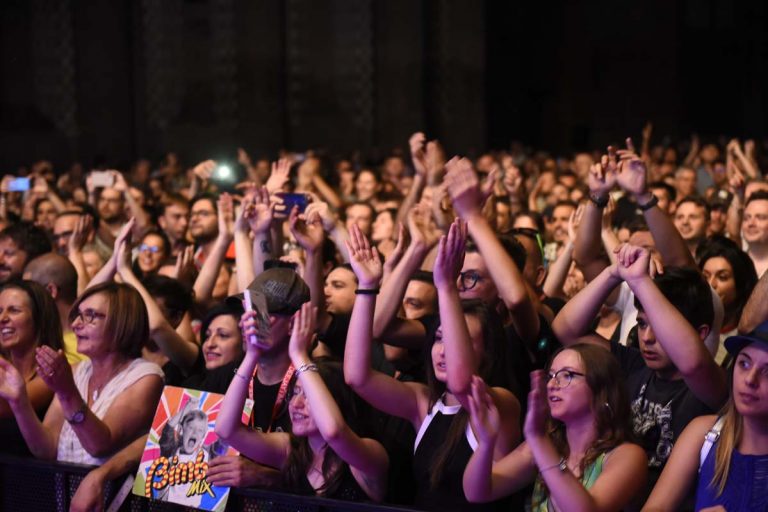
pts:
[652, 424]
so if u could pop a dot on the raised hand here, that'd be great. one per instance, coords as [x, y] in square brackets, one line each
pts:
[124, 235]
[185, 270]
[255, 339]
[421, 228]
[396, 255]
[118, 181]
[225, 210]
[450, 255]
[81, 234]
[489, 183]
[573, 222]
[204, 170]
[300, 344]
[364, 259]
[123, 261]
[262, 212]
[632, 175]
[483, 415]
[602, 175]
[53, 368]
[418, 152]
[535, 426]
[279, 175]
[463, 187]
[12, 385]
[307, 230]
[633, 262]
[323, 211]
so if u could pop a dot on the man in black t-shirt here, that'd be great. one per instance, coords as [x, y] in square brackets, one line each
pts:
[672, 377]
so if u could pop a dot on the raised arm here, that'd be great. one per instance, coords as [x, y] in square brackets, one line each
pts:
[574, 322]
[137, 212]
[206, 280]
[680, 340]
[335, 229]
[243, 249]
[366, 457]
[260, 219]
[586, 247]
[417, 143]
[83, 230]
[558, 271]
[632, 177]
[464, 189]
[308, 231]
[270, 449]
[755, 310]
[405, 400]
[180, 351]
[386, 324]
[107, 272]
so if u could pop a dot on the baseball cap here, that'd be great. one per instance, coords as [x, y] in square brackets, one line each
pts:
[734, 344]
[284, 290]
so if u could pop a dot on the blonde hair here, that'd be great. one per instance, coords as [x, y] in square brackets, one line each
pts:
[730, 435]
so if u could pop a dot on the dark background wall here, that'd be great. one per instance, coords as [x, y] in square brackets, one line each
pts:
[94, 80]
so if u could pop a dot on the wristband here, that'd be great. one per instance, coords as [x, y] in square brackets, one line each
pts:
[369, 291]
[600, 202]
[306, 367]
[238, 374]
[650, 204]
[561, 465]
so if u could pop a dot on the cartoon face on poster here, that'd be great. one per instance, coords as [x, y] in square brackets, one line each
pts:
[180, 444]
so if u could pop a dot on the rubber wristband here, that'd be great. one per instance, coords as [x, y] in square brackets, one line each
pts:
[653, 201]
[370, 291]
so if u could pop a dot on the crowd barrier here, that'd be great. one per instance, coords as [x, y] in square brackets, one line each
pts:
[31, 485]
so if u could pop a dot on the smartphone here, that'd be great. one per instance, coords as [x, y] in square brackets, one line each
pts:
[254, 301]
[19, 185]
[223, 174]
[102, 179]
[291, 200]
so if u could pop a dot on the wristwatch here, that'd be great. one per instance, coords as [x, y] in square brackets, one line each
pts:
[650, 204]
[79, 415]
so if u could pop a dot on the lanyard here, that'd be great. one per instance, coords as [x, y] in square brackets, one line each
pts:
[280, 395]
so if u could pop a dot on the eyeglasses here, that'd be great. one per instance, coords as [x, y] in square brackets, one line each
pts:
[202, 213]
[88, 316]
[154, 249]
[563, 377]
[469, 279]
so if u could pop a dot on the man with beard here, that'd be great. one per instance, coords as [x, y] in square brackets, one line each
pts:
[203, 225]
[173, 220]
[19, 244]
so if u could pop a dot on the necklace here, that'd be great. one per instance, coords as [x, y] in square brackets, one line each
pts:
[98, 389]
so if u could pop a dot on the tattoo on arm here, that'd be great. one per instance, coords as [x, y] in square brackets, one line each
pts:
[265, 246]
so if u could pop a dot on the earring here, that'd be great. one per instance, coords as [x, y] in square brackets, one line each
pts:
[608, 406]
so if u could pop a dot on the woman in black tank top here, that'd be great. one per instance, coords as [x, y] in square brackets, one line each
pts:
[436, 410]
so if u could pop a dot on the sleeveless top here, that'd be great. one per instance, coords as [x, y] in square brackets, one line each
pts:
[348, 490]
[540, 499]
[449, 492]
[745, 489]
[70, 449]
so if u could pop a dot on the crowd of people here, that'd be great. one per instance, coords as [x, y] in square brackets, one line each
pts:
[512, 332]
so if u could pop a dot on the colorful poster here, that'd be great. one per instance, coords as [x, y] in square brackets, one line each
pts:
[181, 442]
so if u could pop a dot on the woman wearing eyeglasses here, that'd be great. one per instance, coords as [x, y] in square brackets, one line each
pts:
[576, 450]
[104, 403]
[154, 250]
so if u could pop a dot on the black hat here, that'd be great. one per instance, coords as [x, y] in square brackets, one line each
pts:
[734, 344]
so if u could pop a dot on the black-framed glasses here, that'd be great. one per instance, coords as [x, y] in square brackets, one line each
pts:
[88, 316]
[469, 279]
[563, 377]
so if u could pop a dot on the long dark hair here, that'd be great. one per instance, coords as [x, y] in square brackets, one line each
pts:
[743, 269]
[493, 369]
[301, 456]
